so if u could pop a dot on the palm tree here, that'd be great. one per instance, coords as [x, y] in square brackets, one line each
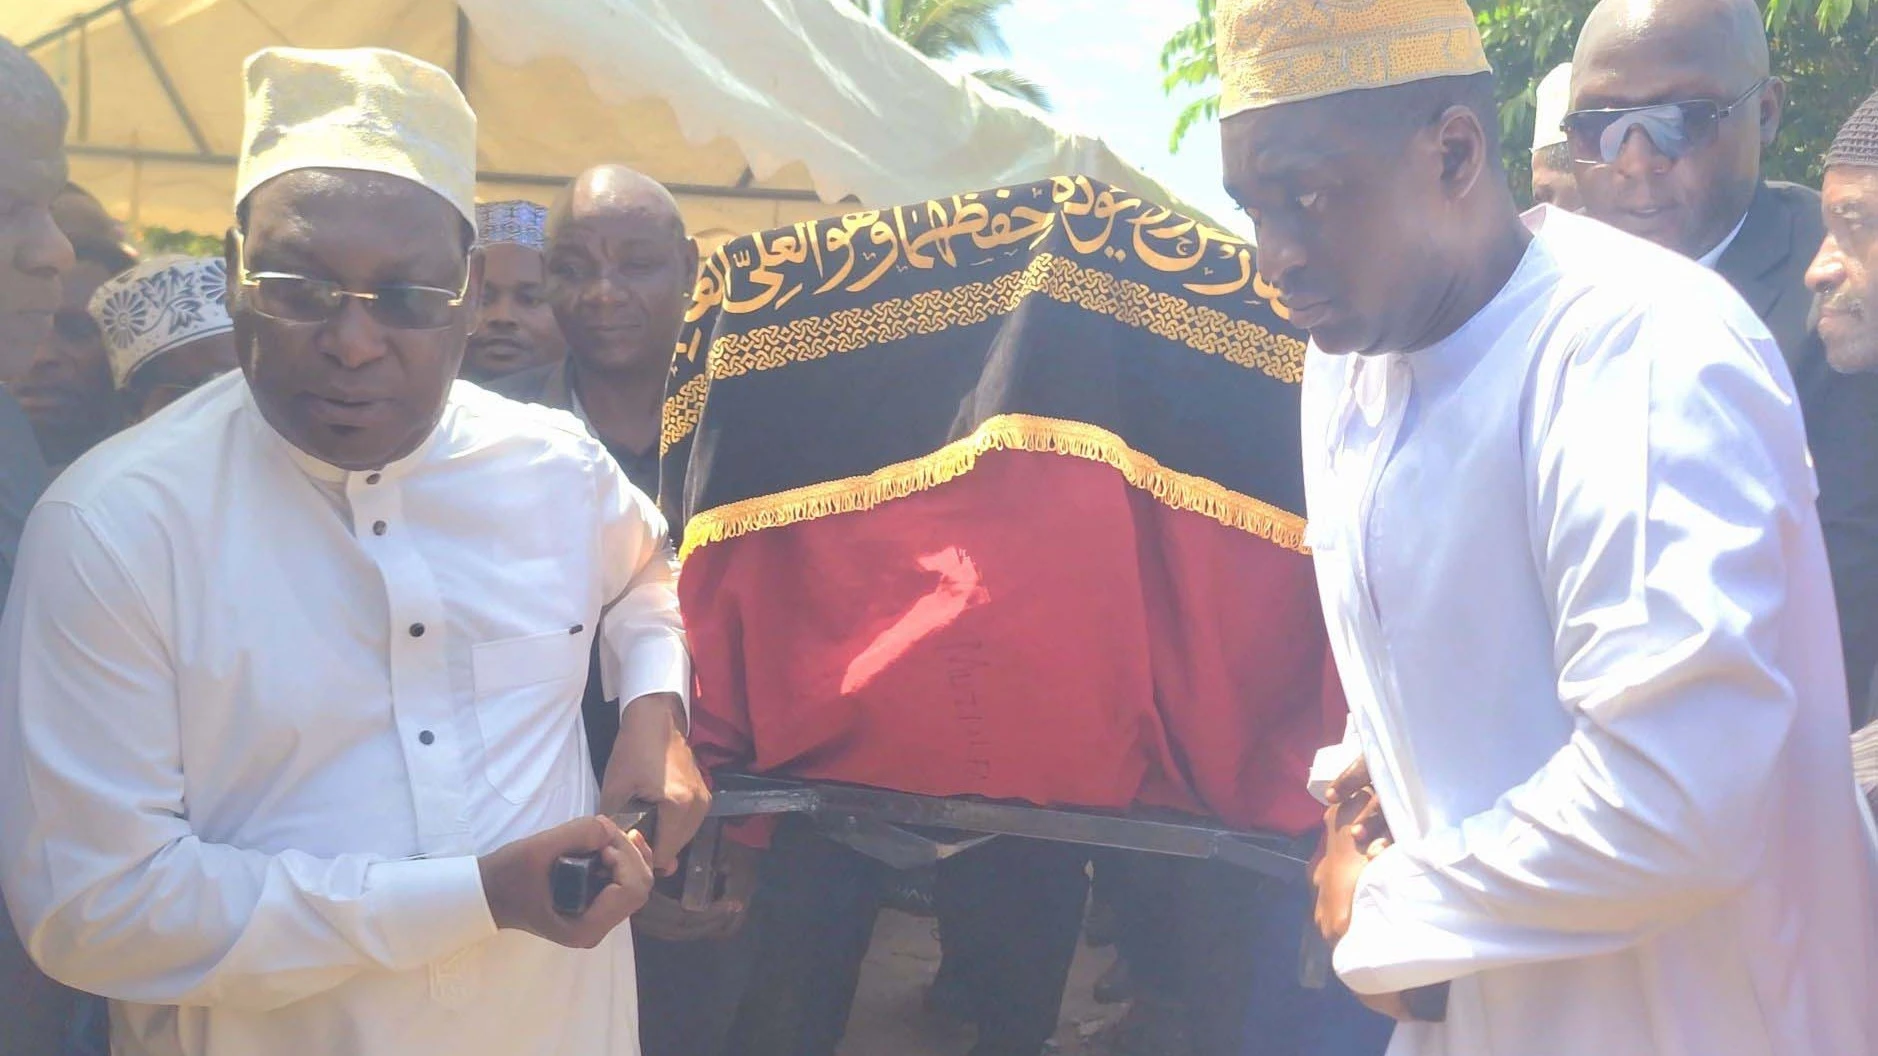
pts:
[946, 29]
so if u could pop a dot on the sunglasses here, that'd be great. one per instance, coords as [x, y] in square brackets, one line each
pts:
[1597, 137]
[290, 298]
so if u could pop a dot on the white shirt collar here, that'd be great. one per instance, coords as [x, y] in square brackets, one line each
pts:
[326, 472]
[1713, 256]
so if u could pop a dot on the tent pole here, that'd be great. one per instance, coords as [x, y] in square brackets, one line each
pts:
[163, 78]
[84, 82]
[524, 179]
[460, 68]
[73, 23]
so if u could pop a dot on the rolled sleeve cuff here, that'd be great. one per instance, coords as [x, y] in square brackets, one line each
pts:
[653, 664]
[1391, 946]
[431, 908]
[1327, 766]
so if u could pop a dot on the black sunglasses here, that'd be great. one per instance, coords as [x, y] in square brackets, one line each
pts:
[1597, 136]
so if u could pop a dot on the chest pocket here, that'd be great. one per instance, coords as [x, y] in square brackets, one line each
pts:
[528, 706]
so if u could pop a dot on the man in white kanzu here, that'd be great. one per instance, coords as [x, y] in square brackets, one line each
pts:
[290, 681]
[1564, 526]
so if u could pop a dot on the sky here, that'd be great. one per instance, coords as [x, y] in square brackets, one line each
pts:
[1100, 62]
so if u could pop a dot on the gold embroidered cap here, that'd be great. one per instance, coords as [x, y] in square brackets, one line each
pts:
[357, 108]
[1287, 51]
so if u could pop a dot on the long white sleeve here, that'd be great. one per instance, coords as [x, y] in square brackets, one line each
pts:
[112, 889]
[642, 635]
[1668, 465]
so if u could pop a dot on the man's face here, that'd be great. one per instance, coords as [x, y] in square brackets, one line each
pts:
[1843, 272]
[1342, 224]
[515, 329]
[618, 280]
[33, 252]
[1687, 204]
[1553, 185]
[68, 392]
[169, 377]
[351, 390]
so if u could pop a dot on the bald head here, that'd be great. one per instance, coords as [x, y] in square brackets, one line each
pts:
[32, 123]
[619, 270]
[1726, 35]
[615, 190]
[1691, 188]
[33, 253]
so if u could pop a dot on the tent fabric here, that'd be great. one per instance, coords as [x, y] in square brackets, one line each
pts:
[760, 113]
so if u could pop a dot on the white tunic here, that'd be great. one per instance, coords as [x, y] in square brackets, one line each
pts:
[258, 715]
[1579, 601]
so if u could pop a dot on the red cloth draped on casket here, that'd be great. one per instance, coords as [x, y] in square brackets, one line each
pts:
[969, 511]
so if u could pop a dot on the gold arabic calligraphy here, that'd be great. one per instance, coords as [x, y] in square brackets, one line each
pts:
[852, 253]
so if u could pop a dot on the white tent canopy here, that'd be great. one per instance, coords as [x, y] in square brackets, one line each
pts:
[756, 113]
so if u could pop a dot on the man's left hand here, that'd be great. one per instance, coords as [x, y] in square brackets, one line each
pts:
[652, 762]
[1341, 861]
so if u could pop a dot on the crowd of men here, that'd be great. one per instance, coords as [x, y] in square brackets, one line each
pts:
[314, 659]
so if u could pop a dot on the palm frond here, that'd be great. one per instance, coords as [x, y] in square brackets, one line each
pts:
[1012, 83]
[1192, 114]
[943, 29]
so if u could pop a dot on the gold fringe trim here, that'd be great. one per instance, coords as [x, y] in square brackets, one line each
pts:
[1005, 432]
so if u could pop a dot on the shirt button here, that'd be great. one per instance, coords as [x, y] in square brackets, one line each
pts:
[426, 737]
[373, 479]
[417, 630]
[378, 527]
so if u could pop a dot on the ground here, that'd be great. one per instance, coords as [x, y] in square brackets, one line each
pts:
[890, 1018]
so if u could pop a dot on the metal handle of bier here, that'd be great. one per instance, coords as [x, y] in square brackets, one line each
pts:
[904, 830]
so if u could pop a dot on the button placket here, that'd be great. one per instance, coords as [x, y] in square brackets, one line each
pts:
[420, 684]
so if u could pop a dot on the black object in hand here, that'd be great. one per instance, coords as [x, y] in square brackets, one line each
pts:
[1428, 1004]
[575, 880]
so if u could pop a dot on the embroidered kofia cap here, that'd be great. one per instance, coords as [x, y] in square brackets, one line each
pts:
[521, 222]
[367, 109]
[160, 305]
[1287, 51]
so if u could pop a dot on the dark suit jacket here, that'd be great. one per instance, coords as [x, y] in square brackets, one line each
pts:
[1767, 264]
[551, 386]
[22, 478]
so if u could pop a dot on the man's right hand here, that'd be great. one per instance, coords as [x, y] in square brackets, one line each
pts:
[515, 881]
[1355, 804]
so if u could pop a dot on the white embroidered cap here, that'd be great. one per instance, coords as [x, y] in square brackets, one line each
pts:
[357, 108]
[1551, 101]
[518, 221]
[159, 305]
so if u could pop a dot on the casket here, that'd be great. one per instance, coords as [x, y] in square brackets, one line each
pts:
[1000, 496]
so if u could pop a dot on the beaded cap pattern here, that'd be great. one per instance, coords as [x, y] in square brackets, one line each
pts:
[1857, 141]
[521, 222]
[1287, 51]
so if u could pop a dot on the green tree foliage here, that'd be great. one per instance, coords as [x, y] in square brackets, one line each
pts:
[947, 29]
[160, 240]
[1826, 58]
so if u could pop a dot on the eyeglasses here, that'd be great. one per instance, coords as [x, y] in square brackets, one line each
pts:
[1597, 136]
[292, 298]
